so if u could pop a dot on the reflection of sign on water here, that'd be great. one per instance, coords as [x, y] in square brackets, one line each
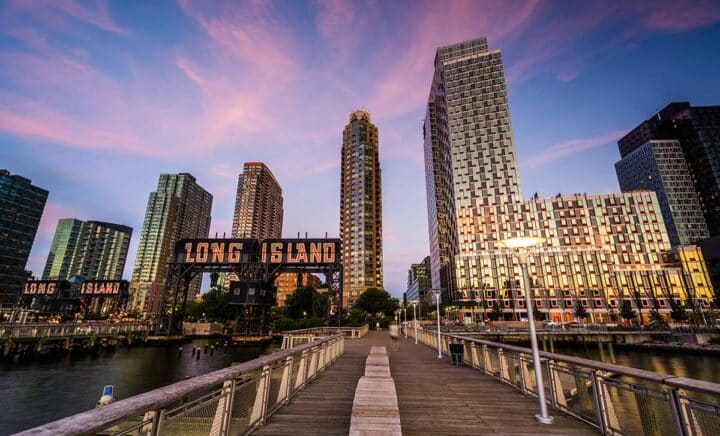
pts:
[301, 251]
[104, 287]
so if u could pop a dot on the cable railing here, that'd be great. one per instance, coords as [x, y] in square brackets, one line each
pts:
[293, 338]
[234, 400]
[617, 400]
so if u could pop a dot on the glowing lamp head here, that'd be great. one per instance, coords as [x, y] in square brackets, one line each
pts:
[522, 242]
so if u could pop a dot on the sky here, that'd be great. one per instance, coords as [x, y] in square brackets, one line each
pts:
[99, 98]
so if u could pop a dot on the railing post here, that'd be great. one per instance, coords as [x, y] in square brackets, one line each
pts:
[312, 368]
[259, 411]
[685, 423]
[285, 382]
[155, 426]
[474, 355]
[221, 420]
[610, 420]
[486, 358]
[596, 397]
[504, 374]
[302, 372]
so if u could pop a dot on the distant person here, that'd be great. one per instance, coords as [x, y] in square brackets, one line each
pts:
[395, 336]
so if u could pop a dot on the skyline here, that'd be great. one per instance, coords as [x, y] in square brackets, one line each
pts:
[206, 75]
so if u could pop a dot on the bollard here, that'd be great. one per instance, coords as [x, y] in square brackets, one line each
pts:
[179, 352]
[197, 356]
[206, 348]
[212, 349]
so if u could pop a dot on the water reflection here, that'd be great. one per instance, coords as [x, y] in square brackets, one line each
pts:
[42, 391]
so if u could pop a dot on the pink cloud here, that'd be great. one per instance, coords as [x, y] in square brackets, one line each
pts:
[571, 147]
[680, 16]
[56, 13]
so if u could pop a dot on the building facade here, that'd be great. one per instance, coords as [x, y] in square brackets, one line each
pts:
[660, 166]
[287, 282]
[89, 249]
[258, 204]
[419, 282]
[360, 208]
[179, 208]
[21, 207]
[697, 129]
[598, 250]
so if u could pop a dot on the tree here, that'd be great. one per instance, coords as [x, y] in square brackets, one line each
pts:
[306, 302]
[375, 301]
[216, 306]
[626, 311]
[655, 316]
[613, 315]
[580, 311]
[496, 313]
[677, 311]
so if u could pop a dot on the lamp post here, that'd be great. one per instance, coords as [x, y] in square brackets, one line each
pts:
[521, 247]
[405, 319]
[414, 305]
[436, 293]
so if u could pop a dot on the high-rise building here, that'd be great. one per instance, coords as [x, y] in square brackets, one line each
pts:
[697, 129]
[598, 250]
[419, 283]
[659, 166]
[179, 208]
[21, 206]
[258, 204]
[90, 249]
[360, 208]
[287, 282]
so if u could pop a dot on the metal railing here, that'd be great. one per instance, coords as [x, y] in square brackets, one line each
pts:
[68, 330]
[293, 338]
[233, 400]
[618, 400]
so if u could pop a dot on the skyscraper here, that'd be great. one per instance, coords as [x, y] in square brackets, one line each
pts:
[21, 206]
[697, 129]
[179, 208]
[360, 208]
[92, 249]
[598, 250]
[258, 204]
[419, 283]
[659, 166]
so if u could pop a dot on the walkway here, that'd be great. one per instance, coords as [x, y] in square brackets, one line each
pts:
[434, 397]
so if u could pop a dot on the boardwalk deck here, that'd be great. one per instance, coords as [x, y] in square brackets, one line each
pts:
[434, 398]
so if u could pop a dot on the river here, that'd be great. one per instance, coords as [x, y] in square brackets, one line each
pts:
[46, 389]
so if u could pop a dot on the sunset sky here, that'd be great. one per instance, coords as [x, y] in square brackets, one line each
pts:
[98, 98]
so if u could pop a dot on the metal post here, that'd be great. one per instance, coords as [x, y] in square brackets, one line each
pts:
[543, 417]
[437, 292]
[405, 321]
[415, 320]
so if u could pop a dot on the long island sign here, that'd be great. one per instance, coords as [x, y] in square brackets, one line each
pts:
[228, 252]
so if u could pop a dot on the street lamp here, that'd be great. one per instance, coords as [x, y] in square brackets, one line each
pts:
[405, 319]
[520, 247]
[436, 294]
[414, 305]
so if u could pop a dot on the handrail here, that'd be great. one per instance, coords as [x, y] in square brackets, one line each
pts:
[615, 399]
[158, 399]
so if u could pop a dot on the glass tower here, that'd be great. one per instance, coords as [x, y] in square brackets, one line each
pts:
[93, 250]
[21, 206]
[659, 166]
[360, 208]
[179, 208]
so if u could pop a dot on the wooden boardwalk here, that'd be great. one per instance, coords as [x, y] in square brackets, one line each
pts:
[434, 398]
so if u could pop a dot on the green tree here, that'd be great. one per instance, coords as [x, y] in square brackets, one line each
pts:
[216, 306]
[306, 302]
[580, 312]
[626, 311]
[194, 310]
[677, 311]
[496, 312]
[655, 316]
[375, 301]
[613, 315]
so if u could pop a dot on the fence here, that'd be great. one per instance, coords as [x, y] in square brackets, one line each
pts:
[293, 338]
[615, 399]
[68, 330]
[234, 400]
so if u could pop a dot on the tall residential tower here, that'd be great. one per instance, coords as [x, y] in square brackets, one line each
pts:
[258, 204]
[90, 249]
[21, 206]
[360, 208]
[179, 208]
[598, 250]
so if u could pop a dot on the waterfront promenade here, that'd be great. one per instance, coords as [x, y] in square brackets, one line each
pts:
[434, 397]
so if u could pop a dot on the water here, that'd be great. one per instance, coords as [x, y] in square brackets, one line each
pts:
[38, 392]
[678, 363]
